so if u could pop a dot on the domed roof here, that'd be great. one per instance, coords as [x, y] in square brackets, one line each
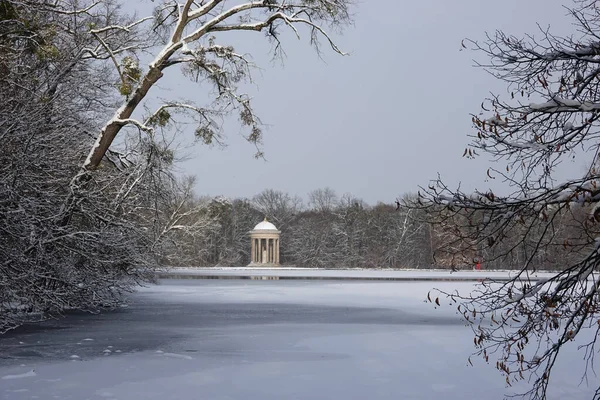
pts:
[265, 226]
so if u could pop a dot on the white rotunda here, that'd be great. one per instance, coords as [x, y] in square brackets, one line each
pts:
[265, 245]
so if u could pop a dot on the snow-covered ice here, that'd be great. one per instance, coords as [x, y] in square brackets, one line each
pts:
[263, 340]
[383, 274]
[181, 356]
[28, 374]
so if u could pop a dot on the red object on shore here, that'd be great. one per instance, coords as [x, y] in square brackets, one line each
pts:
[478, 266]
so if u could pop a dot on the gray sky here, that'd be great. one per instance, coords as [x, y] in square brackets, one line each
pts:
[377, 123]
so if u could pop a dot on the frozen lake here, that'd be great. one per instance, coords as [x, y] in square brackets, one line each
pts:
[261, 340]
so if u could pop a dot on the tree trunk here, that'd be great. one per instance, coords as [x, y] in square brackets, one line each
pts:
[112, 128]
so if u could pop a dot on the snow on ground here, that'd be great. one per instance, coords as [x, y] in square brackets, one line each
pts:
[261, 340]
[413, 274]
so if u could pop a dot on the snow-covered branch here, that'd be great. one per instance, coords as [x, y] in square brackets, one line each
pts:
[220, 18]
[549, 115]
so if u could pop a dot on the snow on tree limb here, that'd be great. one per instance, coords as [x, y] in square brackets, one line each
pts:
[549, 114]
[222, 16]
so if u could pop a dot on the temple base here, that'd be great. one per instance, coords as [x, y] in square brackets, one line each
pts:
[263, 265]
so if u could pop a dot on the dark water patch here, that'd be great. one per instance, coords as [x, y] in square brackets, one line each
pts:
[152, 324]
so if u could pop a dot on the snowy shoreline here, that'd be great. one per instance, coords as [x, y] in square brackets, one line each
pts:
[338, 274]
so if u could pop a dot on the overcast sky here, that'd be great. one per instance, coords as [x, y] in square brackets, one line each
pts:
[377, 123]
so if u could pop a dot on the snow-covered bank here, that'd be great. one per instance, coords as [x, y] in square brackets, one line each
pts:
[366, 274]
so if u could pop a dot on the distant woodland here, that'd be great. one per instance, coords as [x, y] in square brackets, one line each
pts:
[331, 231]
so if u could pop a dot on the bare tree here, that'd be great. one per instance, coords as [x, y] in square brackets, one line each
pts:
[229, 243]
[350, 228]
[550, 114]
[191, 33]
[181, 224]
[277, 206]
[46, 269]
[322, 200]
[396, 239]
[312, 242]
[51, 96]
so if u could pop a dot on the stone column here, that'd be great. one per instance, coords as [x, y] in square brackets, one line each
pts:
[276, 251]
[252, 251]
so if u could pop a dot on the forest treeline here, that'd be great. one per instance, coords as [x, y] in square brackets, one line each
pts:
[328, 232]
[331, 231]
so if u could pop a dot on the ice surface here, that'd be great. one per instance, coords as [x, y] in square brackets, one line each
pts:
[263, 340]
[19, 376]
[181, 356]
